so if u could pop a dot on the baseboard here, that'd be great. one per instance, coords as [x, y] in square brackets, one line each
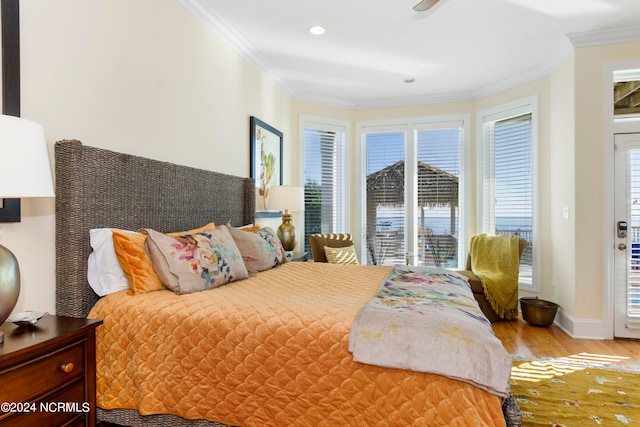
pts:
[581, 328]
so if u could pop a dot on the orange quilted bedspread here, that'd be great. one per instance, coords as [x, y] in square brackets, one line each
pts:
[268, 351]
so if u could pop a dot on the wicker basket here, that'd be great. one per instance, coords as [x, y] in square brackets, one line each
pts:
[538, 312]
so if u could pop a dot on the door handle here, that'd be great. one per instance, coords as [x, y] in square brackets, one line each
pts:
[622, 246]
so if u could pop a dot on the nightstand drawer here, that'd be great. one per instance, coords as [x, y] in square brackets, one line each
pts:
[26, 381]
[59, 409]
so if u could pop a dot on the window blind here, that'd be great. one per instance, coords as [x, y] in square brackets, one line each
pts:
[412, 193]
[633, 195]
[385, 223]
[508, 182]
[438, 157]
[324, 180]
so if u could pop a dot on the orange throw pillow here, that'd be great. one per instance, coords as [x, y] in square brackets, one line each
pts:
[135, 262]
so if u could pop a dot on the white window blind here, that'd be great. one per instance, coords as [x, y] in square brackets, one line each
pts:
[508, 182]
[324, 179]
[412, 192]
[384, 165]
[439, 151]
[633, 264]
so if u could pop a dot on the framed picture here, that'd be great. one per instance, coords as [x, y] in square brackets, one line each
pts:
[266, 159]
[10, 95]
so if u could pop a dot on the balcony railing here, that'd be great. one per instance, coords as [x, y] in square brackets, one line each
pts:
[439, 250]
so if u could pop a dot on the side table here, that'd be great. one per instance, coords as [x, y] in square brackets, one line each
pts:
[48, 373]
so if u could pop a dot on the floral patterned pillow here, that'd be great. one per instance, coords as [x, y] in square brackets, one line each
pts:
[192, 262]
[260, 249]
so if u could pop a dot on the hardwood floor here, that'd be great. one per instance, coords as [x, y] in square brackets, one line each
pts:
[522, 339]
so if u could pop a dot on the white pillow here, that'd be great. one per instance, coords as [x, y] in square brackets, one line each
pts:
[104, 273]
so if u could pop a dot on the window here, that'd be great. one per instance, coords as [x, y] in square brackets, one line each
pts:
[325, 186]
[385, 221]
[508, 202]
[439, 161]
[411, 191]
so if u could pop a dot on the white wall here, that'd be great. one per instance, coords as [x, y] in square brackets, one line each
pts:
[560, 191]
[143, 77]
[591, 146]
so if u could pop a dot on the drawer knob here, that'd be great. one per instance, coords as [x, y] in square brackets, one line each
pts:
[67, 367]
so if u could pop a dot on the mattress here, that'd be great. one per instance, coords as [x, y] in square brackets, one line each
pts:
[271, 350]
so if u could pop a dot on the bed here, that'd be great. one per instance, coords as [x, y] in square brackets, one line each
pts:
[237, 354]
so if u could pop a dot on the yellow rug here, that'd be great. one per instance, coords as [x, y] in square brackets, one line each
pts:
[566, 392]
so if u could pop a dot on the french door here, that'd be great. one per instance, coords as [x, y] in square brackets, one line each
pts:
[412, 184]
[627, 236]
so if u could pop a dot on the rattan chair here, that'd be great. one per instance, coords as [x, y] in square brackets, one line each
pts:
[319, 241]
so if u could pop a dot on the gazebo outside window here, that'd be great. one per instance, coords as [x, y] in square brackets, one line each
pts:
[437, 196]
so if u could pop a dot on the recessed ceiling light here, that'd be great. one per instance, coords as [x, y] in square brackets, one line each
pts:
[317, 30]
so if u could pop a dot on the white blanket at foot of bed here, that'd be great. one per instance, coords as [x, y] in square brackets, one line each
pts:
[426, 319]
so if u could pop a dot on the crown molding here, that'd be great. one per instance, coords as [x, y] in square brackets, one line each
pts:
[201, 10]
[386, 102]
[562, 49]
[438, 98]
[326, 101]
[603, 37]
[558, 54]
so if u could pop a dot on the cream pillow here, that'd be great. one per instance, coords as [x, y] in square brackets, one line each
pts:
[260, 248]
[345, 255]
[193, 262]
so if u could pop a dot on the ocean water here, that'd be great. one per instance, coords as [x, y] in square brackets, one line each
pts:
[442, 225]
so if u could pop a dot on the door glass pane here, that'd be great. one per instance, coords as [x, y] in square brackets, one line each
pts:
[437, 212]
[385, 222]
[633, 275]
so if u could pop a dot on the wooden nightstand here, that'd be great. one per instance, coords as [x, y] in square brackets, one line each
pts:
[48, 373]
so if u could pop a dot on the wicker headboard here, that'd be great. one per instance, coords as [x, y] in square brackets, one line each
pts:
[101, 188]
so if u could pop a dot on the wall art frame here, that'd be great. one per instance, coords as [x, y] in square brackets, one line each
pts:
[10, 33]
[266, 151]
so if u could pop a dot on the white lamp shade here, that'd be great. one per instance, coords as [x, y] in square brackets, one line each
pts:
[284, 197]
[24, 164]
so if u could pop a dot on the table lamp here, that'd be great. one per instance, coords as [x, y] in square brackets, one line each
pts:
[24, 172]
[285, 198]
